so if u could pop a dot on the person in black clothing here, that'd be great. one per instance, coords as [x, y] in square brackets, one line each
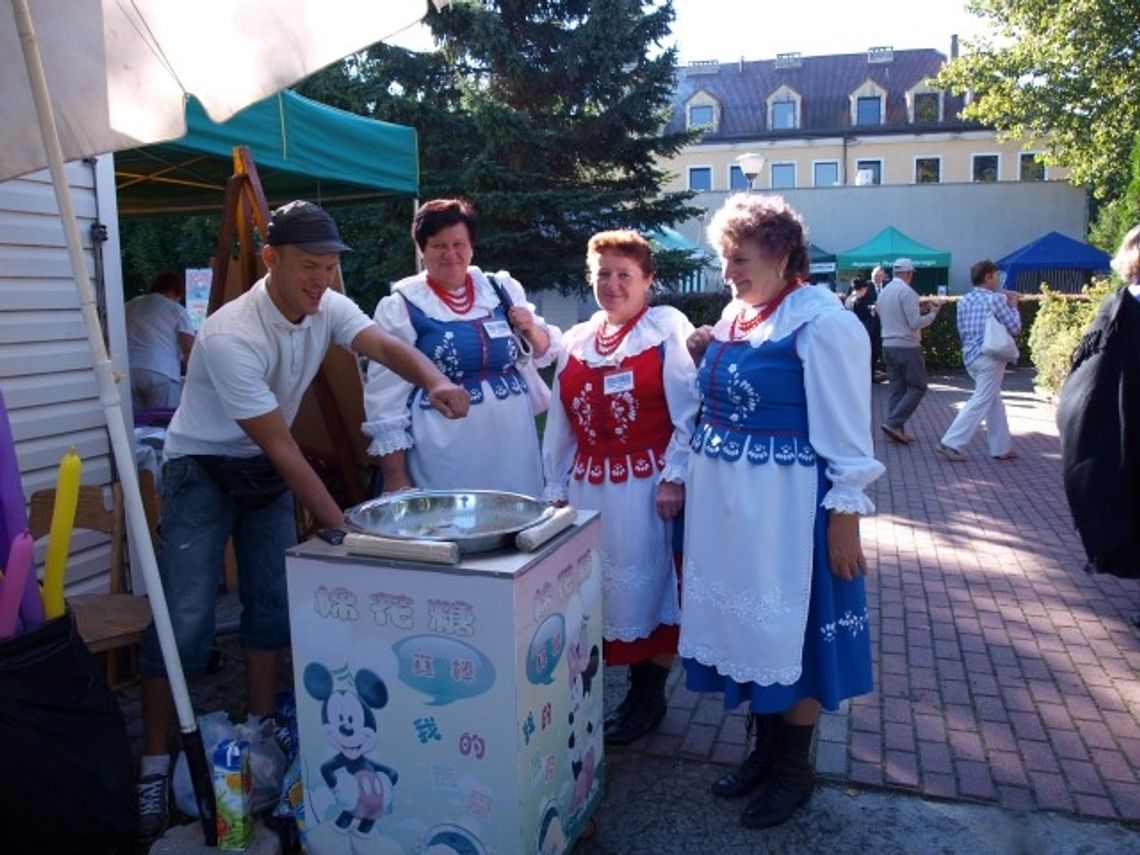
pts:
[861, 301]
[1099, 419]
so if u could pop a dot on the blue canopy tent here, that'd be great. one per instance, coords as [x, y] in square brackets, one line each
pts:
[1063, 263]
[302, 149]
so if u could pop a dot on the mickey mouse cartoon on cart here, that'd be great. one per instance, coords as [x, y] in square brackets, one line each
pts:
[362, 789]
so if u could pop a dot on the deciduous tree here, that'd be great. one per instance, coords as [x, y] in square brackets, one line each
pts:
[1065, 75]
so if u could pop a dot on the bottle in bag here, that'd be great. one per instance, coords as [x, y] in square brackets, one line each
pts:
[232, 794]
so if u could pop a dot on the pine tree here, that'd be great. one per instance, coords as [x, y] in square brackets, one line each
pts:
[547, 115]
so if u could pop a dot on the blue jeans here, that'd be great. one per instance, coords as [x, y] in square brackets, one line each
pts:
[198, 516]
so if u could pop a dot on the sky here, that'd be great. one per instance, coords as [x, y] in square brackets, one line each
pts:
[727, 30]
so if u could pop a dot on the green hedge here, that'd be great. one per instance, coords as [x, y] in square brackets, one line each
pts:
[1061, 322]
[1051, 326]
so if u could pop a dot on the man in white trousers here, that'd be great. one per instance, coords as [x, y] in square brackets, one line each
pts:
[986, 403]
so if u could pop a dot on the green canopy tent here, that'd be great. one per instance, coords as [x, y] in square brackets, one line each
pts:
[302, 149]
[668, 241]
[821, 266]
[931, 265]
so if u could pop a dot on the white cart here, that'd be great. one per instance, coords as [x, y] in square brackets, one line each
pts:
[449, 709]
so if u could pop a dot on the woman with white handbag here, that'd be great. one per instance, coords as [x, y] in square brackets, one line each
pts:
[984, 315]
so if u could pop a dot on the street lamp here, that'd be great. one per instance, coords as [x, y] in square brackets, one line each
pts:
[751, 165]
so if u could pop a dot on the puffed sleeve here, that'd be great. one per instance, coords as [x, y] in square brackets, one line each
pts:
[518, 297]
[836, 356]
[559, 444]
[386, 416]
[681, 394]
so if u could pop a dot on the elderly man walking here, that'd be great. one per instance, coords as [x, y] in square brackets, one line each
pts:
[903, 321]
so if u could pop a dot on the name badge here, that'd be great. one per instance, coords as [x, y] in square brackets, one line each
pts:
[620, 382]
[497, 329]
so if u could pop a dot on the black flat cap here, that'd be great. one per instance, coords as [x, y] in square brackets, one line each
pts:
[307, 226]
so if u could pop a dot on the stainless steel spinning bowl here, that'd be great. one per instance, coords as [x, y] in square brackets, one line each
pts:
[476, 520]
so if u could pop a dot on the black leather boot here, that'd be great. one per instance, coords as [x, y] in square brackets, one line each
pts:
[759, 766]
[791, 787]
[633, 683]
[646, 707]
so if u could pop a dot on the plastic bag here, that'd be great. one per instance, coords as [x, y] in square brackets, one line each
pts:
[266, 762]
[997, 343]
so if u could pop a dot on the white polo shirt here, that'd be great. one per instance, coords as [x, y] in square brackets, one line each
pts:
[153, 324]
[249, 360]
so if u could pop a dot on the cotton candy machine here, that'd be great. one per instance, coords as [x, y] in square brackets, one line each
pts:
[475, 520]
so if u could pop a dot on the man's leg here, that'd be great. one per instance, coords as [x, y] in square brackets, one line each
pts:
[260, 540]
[896, 375]
[914, 371]
[195, 517]
[986, 373]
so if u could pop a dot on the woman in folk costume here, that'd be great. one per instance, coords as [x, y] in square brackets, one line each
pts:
[775, 610]
[617, 441]
[454, 314]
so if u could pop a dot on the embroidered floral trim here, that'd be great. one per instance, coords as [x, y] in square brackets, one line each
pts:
[707, 655]
[847, 502]
[388, 443]
[753, 606]
[851, 624]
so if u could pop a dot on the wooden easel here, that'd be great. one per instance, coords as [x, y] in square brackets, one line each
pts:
[328, 424]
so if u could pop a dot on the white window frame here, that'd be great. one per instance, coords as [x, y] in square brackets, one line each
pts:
[923, 89]
[914, 168]
[975, 155]
[772, 174]
[838, 172]
[689, 177]
[1034, 153]
[781, 94]
[733, 167]
[695, 124]
[882, 169]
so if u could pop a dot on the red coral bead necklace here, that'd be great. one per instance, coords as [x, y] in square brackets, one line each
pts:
[606, 343]
[741, 327]
[460, 300]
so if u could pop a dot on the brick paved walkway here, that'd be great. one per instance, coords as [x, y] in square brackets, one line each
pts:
[1004, 673]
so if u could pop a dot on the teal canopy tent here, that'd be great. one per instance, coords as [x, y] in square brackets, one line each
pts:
[886, 246]
[301, 148]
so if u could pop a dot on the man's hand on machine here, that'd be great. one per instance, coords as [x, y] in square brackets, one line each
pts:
[451, 400]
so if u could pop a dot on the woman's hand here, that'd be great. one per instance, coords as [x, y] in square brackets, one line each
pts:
[670, 499]
[522, 320]
[843, 544]
[698, 342]
[449, 399]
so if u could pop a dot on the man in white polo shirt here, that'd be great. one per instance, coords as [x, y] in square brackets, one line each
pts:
[233, 468]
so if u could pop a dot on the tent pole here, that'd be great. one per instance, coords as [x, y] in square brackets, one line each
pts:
[122, 445]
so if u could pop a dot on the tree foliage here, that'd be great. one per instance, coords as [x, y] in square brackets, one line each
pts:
[1064, 75]
[547, 115]
[1122, 213]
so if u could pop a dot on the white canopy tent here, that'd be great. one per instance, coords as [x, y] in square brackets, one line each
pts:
[87, 77]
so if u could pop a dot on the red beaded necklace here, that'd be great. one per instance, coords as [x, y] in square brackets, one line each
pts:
[606, 344]
[763, 313]
[459, 301]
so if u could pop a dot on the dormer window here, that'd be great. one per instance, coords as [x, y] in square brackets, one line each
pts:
[784, 109]
[868, 105]
[869, 110]
[924, 104]
[701, 114]
[702, 111]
